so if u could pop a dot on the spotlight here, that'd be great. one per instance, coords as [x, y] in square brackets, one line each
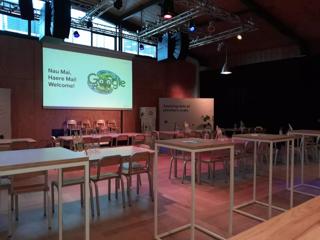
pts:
[141, 46]
[192, 26]
[167, 9]
[76, 34]
[239, 37]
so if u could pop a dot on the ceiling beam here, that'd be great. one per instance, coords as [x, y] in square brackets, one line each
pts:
[277, 24]
[138, 9]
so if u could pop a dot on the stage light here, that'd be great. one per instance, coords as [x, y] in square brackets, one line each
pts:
[192, 26]
[239, 37]
[225, 69]
[167, 9]
[141, 46]
[76, 34]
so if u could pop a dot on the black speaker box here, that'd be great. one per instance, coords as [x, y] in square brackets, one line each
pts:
[60, 18]
[181, 45]
[26, 9]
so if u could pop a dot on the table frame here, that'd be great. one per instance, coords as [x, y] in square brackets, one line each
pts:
[270, 206]
[58, 166]
[193, 226]
[302, 134]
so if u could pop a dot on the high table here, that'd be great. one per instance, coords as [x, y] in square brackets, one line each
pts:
[270, 139]
[303, 134]
[43, 159]
[301, 222]
[193, 146]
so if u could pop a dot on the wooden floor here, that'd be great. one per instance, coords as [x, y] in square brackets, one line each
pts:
[136, 222]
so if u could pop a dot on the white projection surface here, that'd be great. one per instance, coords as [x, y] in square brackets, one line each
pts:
[80, 80]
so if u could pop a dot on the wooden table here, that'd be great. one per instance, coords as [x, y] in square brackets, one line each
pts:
[270, 139]
[8, 141]
[193, 146]
[301, 222]
[42, 159]
[303, 134]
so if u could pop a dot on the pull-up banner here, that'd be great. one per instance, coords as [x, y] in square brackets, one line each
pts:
[196, 112]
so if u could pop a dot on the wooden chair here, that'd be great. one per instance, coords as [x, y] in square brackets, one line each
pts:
[72, 126]
[112, 125]
[138, 139]
[101, 126]
[27, 183]
[138, 164]
[105, 141]
[71, 177]
[108, 168]
[86, 127]
[122, 139]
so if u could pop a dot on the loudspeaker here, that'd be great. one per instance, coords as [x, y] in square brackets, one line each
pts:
[26, 9]
[60, 18]
[181, 45]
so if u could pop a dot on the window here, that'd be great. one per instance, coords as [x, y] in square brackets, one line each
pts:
[83, 39]
[147, 50]
[13, 24]
[102, 41]
[129, 46]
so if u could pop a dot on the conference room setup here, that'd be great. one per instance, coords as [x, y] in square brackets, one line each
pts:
[159, 119]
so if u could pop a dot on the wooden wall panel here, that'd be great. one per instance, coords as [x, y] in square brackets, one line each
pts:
[21, 71]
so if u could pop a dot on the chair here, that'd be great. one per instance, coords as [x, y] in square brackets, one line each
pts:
[86, 127]
[72, 126]
[112, 126]
[27, 183]
[105, 141]
[101, 126]
[5, 184]
[104, 173]
[138, 164]
[138, 139]
[122, 139]
[70, 177]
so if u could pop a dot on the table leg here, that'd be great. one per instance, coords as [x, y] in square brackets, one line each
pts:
[10, 222]
[60, 223]
[155, 189]
[87, 209]
[270, 180]
[288, 162]
[254, 170]
[292, 174]
[302, 160]
[193, 200]
[231, 190]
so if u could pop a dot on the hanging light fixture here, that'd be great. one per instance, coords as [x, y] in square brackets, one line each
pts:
[167, 9]
[225, 69]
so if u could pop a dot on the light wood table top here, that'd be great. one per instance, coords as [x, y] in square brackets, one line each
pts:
[304, 132]
[262, 137]
[31, 158]
[125, 151]
[195, 143]
[301, 222]
[11, 140]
